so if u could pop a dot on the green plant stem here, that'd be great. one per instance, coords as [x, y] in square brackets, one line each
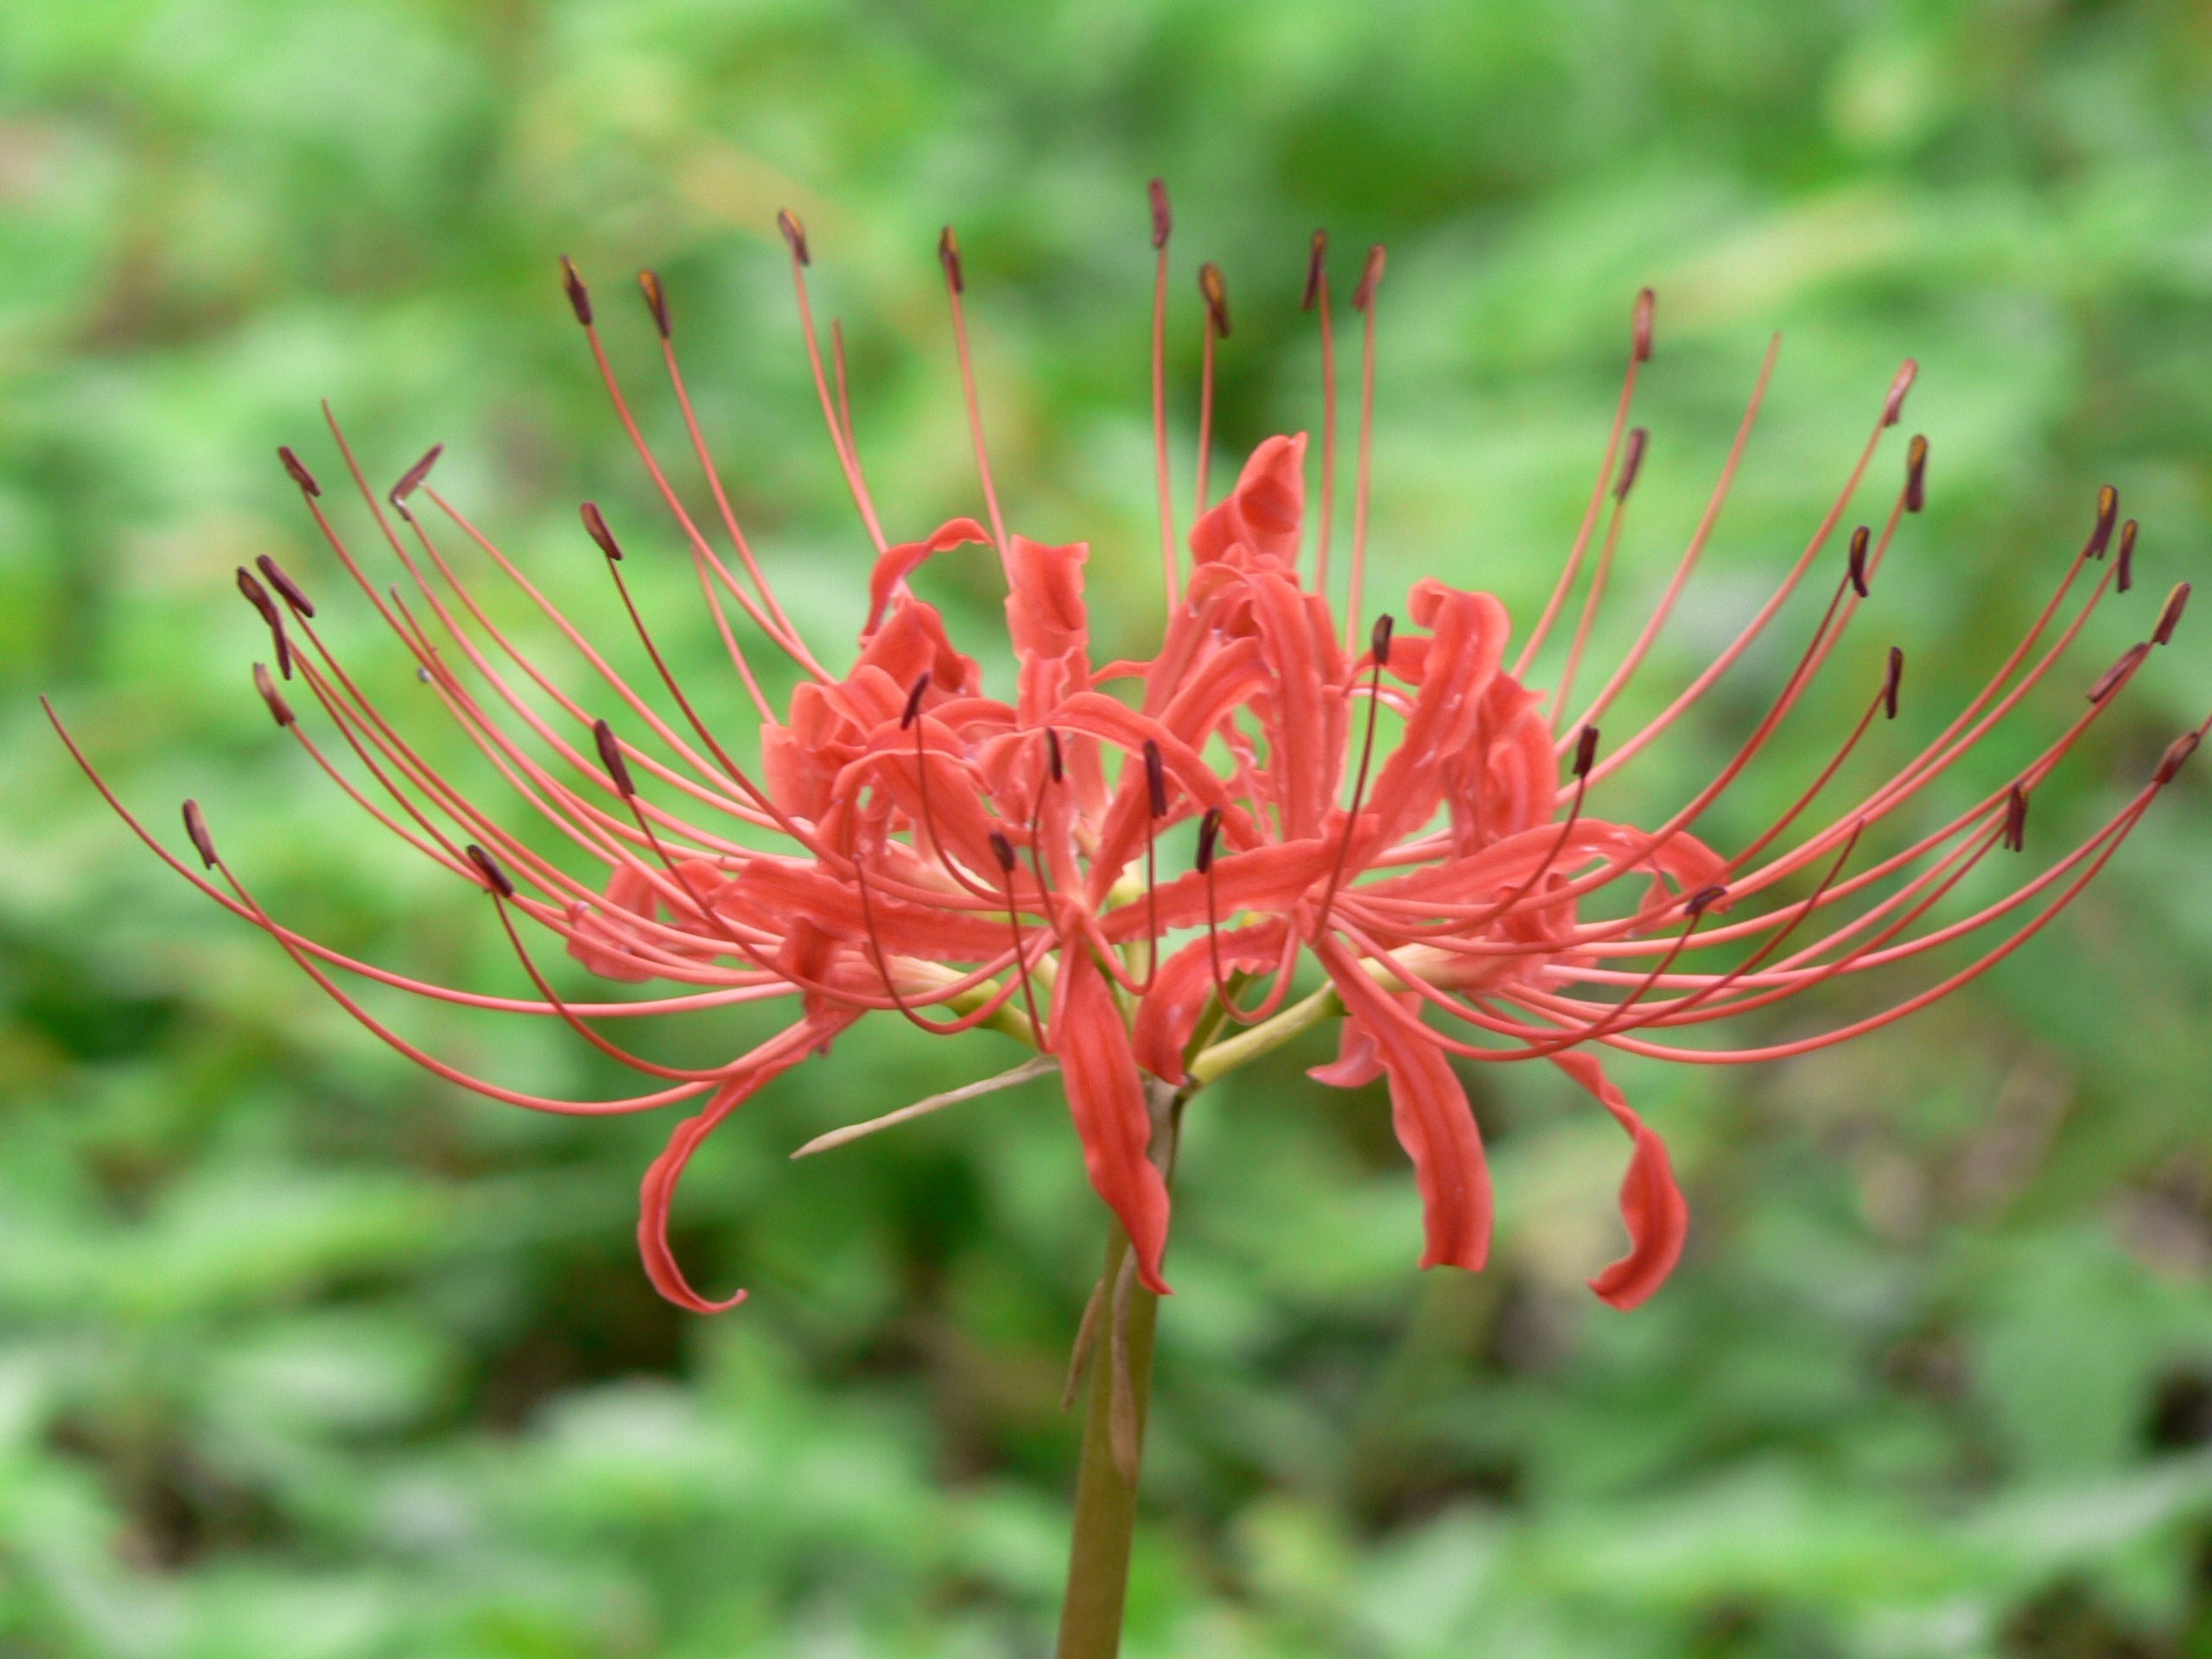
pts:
[1105, 1502]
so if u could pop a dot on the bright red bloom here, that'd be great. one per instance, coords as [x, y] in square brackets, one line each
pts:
[962, 859]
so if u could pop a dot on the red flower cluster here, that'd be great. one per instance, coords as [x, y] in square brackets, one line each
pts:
[962, 859]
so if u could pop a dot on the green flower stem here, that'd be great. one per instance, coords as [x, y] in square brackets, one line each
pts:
[1105, 1502]
[1247, 1046]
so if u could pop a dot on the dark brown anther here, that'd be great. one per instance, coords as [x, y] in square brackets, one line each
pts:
[1704, 898]
[2176, 757]
[277, 707]
[195, 825]
[1378, 641]
[1893, 683]
[595, 527]
[947, 253]
[1163, 220]
[1316, 267]
[1916, 474]
[611, 757]
[2119, 671]
[915, 700]
[283, 582]
[2177, 603]
[1646, 300]
[1631, 462]
[1216, 294]
[1053, 761]
[494, 877]
[2016, 820]
[794, 230]
[1155, 777]
[655, 297]
[1893, 405]
[298, 469]
[2125, 572]
[257, 596]
[579, 295]
[1858, 538]
[1209, 829]
[411, 479]
[1586, 751]
[1370, 278]
[1002, 850]
[2108, 514]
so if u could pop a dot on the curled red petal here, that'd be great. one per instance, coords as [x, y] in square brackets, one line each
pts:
[1264, 512]
[658, 1190]
[1428, 1108]
[894, 564]
[1652, 1204]
[1106, 1099]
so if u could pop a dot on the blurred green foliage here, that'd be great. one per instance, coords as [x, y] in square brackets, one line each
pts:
[303, 1356]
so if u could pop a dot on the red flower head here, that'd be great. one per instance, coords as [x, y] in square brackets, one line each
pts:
[960, 859]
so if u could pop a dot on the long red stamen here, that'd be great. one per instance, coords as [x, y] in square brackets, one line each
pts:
[1163, 222]
[1639, 354]
[956, 285]
[1317, 300]
[1362, 301]
[1216, 294]
[840, 432]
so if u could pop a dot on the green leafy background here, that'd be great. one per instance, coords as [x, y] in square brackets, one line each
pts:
[306, 1355]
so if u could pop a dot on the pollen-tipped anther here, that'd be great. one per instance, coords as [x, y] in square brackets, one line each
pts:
[1859, 539]
[2176, 757]
[1704, 898]
[1646, 301]
[1209, 829]
[2107, 515]
[1002, 850]
[1893, 405]
[1631, 462]
[298, 469]
[1317, 263]
[1378, 640]
[495, 877]
[1053, 762]
[1215, 291]
[1586, 751]
[278, 708]
[595, 527]
[1893, 682]
[281, 580]
[1916, 474]
[611, 757]
[914, 711]
[1370, 278]
[2170, 617]
[2125, 572]
[195, 825]
[655, 299]
[794, 233]
[948, 254]
[2016, 820]
[1163, 218]
[1155, 778]
[411, 479]
[579, 295]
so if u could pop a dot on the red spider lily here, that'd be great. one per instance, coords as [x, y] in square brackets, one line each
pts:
[961, 859]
